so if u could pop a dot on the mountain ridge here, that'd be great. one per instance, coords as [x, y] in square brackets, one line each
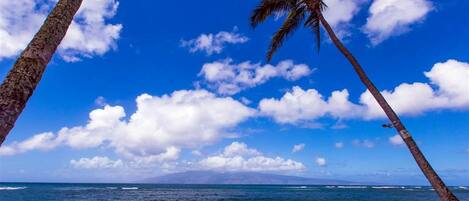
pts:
[215, 177]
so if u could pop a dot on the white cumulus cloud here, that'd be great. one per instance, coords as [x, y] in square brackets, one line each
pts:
[339, 13]
[448, 88]
[88, 35]
[156, 132]
[299, 105]
[97, 162]
[452, 79]
[214, 43]
[43, 141]
[392, 17]
[228, 78]
[451, 91]
[241, 149]
[247, 159]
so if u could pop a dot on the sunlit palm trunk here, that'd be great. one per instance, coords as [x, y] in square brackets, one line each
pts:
[26, 73]
[432, 176]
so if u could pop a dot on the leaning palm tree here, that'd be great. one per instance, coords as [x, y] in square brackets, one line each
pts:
[309, 13]
[27, 71]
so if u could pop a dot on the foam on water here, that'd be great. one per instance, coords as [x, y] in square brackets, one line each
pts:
[385, 187]
[9, 188]
[300, 187]
[360, 187]
[129, 188]
[78, 188]
[409, 189]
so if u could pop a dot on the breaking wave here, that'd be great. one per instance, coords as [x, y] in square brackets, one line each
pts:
[9, 188]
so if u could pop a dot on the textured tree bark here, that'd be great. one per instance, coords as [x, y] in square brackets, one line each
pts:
[27, 71]
[439, 186]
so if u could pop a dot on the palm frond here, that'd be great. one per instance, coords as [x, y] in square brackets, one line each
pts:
[313, 22]
[322, 5]
[314, 5]
[315, 9]
[294, 18]
[268, 7]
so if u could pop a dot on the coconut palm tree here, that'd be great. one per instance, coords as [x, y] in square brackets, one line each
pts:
[309, 13]
[27, 71]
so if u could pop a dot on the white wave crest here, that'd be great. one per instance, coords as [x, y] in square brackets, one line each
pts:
[9, 188]
[385, 187]
[352, 187]
[129, 188]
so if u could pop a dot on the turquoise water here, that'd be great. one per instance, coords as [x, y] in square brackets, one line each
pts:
[130, 192]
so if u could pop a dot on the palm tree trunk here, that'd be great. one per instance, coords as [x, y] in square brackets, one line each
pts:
[27, 71]
[432, 176]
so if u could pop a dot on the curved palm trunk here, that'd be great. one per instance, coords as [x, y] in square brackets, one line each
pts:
[432, 176]
[26, 73]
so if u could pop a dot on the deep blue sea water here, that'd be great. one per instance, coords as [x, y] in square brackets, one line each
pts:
[141, 192]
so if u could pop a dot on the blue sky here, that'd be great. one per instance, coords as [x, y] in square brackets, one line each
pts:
[196, 110]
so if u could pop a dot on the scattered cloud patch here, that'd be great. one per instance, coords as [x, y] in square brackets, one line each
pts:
[241, 149]
[396, 140]
[321, 161]
[298, 148]
[447, 89]
[214, 43]
[156, 132]
[14, 36]
[339, 145]
[245, 100]
[340, 12]
[247, 159]
[88, 35]
[163, 126]
[339, 125]
[228, 78]
[363, 143]
[44, 141]
[392, 17]
[197, 153]
[97, 162]
[100, 101]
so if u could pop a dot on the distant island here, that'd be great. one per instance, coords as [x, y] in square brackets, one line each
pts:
[212, 177]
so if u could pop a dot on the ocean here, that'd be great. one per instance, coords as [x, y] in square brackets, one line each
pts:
[143, 192]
